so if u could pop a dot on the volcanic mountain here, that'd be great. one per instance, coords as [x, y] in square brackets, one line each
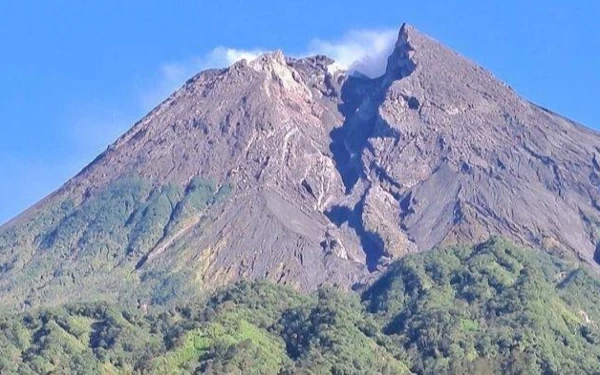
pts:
[290, 170]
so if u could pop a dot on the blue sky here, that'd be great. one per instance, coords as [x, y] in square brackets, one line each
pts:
[76, 74]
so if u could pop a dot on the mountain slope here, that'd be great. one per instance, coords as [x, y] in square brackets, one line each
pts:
[466, 157]
[487, 309]
[284, 169]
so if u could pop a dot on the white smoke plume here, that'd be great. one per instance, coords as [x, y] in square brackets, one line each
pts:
[365, 51]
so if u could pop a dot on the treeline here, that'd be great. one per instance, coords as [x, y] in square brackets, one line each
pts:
[487, 309]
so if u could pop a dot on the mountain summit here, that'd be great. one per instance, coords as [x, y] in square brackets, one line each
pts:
[280, 168]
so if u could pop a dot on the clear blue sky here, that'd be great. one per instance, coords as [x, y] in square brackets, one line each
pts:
[76, 74]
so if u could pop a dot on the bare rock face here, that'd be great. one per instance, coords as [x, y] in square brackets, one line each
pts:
[329, 177]
[470, 158]
[381, 218]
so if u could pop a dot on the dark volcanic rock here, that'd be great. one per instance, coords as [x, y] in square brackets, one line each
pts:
[331, 176]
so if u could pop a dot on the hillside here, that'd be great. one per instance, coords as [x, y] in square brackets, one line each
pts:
[289, 170]
[491, 308]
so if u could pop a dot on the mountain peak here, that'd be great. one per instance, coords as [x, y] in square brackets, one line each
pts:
[286, 169]
[415, 50]
[400, 63]
[405, 30]
[268, 58]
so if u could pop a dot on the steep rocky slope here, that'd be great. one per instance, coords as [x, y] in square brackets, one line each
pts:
[284, 169]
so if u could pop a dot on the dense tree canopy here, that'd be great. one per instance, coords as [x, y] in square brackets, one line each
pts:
[491, 308]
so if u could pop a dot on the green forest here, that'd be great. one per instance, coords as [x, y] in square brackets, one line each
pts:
[490, 308]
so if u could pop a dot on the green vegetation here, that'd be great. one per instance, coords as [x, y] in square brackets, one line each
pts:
[488, 309]
[94, 250]
[249, 328]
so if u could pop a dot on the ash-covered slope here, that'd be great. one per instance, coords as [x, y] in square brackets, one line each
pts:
[281, 168]
[466, 157]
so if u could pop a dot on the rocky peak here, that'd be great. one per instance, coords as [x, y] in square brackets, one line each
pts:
[329, 176]
[400, 63]
[268, 61]
[463, 154]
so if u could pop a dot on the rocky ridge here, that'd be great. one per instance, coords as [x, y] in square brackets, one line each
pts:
[330, 176]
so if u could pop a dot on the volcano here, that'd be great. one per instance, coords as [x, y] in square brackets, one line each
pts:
[289, 170]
